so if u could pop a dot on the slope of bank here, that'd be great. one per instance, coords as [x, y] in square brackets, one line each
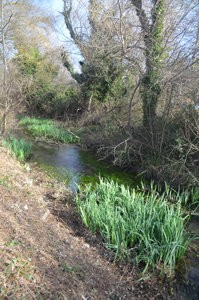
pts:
[45, 251]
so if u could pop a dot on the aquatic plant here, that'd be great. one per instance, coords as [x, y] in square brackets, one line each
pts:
[66, 137]
[48, 130]
[18, 147]
[189, 198]
[25, 121]
[138, 226]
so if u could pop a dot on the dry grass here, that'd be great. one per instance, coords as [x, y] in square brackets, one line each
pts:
[45, 251]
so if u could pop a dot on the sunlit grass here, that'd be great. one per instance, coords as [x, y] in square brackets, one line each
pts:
[189, 198]
[137, 226]
[19, 148]
[48, 130]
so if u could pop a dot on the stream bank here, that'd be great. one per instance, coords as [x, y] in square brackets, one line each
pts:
[46, 252]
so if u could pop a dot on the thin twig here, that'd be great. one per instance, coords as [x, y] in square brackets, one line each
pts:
[73, 134]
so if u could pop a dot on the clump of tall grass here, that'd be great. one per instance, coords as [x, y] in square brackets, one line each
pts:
[33, 121]
[47, 129]
[19, 148]
[189, 198]
[135, 225]
[66, 137]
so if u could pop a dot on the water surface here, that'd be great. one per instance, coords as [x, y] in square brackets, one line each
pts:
[74, 166]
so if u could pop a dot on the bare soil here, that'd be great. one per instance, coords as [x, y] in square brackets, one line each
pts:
[47, 253]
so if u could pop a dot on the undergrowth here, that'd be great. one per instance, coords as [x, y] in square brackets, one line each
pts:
[18, 147]
[188, 198]
[137, 226]
[49, 130]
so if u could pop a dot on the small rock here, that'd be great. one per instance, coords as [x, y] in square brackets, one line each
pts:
[28, 169]
[26, 207]
[45, 216]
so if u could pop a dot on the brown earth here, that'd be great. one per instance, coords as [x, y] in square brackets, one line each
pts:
[47, 253]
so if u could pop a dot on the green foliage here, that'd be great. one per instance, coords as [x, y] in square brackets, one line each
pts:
[44, 94]
[48, 130]
[99, 71]
[28, 60]
[20, 148]
[139, 226]
[66, 137]
[97, 79]
[189, 198]
[61, 99]
[150, 84]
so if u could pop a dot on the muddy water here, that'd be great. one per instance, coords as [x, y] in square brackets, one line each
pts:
[74, 167]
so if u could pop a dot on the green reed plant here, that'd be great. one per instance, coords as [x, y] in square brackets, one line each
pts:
[136, 225]
[47, 129]
[65, 137]
[18, 147]
[189, 198]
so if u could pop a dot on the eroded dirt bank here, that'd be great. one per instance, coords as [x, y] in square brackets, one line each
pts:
[45, 250]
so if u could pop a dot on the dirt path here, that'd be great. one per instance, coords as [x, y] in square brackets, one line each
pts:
[45, 251]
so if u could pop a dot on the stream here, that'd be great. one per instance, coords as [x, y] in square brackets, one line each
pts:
[74, 166]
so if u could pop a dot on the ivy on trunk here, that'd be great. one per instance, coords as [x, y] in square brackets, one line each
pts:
[152, 35]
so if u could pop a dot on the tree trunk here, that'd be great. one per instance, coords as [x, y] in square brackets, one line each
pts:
[3, 123]
[152, 34]
[5, 94]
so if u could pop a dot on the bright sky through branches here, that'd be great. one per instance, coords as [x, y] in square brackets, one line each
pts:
[63, 34]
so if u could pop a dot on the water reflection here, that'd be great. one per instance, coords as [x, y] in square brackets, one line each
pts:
[63, 162]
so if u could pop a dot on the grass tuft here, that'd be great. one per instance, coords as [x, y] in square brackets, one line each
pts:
[137, 226]
[47, 129]
[20, 148]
